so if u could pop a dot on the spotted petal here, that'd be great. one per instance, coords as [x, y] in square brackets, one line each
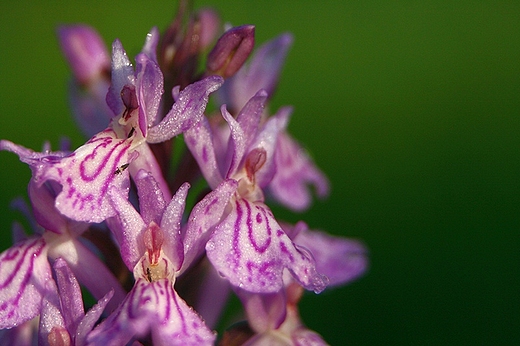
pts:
[86, 175]
[251, 250]
[24, 271]
[154, 307]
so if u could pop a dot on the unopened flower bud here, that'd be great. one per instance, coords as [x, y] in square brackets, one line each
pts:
[231, 51]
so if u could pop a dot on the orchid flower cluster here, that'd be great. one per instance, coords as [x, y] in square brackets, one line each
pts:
[112, 221]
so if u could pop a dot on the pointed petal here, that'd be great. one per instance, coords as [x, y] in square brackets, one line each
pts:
[251, 250]
[89, 270]
[187, 111]
[267, 140]
[204, 216]
[151, 200]
[149, 90]
[130, 226]
[24, 271]
[342, 260]
[150, 44]
[295, 172]
[52, 328]
[171, 226]
[90, 319]
[70, 294]
[266, 65]
[199, 140]
[122, 74]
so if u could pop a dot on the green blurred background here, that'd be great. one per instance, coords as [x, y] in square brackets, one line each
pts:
[411, 108]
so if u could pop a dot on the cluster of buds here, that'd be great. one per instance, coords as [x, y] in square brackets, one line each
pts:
[114, 217]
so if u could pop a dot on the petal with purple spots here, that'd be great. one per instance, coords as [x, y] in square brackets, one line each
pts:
[251, 250]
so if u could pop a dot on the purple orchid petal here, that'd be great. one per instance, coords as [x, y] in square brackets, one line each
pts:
[90, 319]
[85, 51]
[265, 66]
[86, 175]
[153, 306]
[340, 259]
[199, 140]
[89, 270]
[251, 250]
[171, 226]
[250, 115]
[294, 172]
[150, 87]
[265, 311]
[267, 140]
[52, 329]
[150, 44]
[71, 300]
[151, 200]
[187, 111]
[244, 129]
[24, 272]
[122, 74]
[130, 226]
[204, 216]
[236, 144]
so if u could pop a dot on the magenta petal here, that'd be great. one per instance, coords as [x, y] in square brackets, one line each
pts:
[150, 45]
[86, 175]
[157, 307]
[295, 172]
[149, 91]
[122, 74]
[204, 216]
[171, 226]
[187, 111]
[151, 199]
[267, 140]
[199, 140]
[90, 319]
[24, 272]
[52, 326]
[265, 311]
[340, 259]
[251, 250]
[72, 308]
[127, 228]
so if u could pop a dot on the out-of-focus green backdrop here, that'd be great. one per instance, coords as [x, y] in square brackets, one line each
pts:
[411, 108]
